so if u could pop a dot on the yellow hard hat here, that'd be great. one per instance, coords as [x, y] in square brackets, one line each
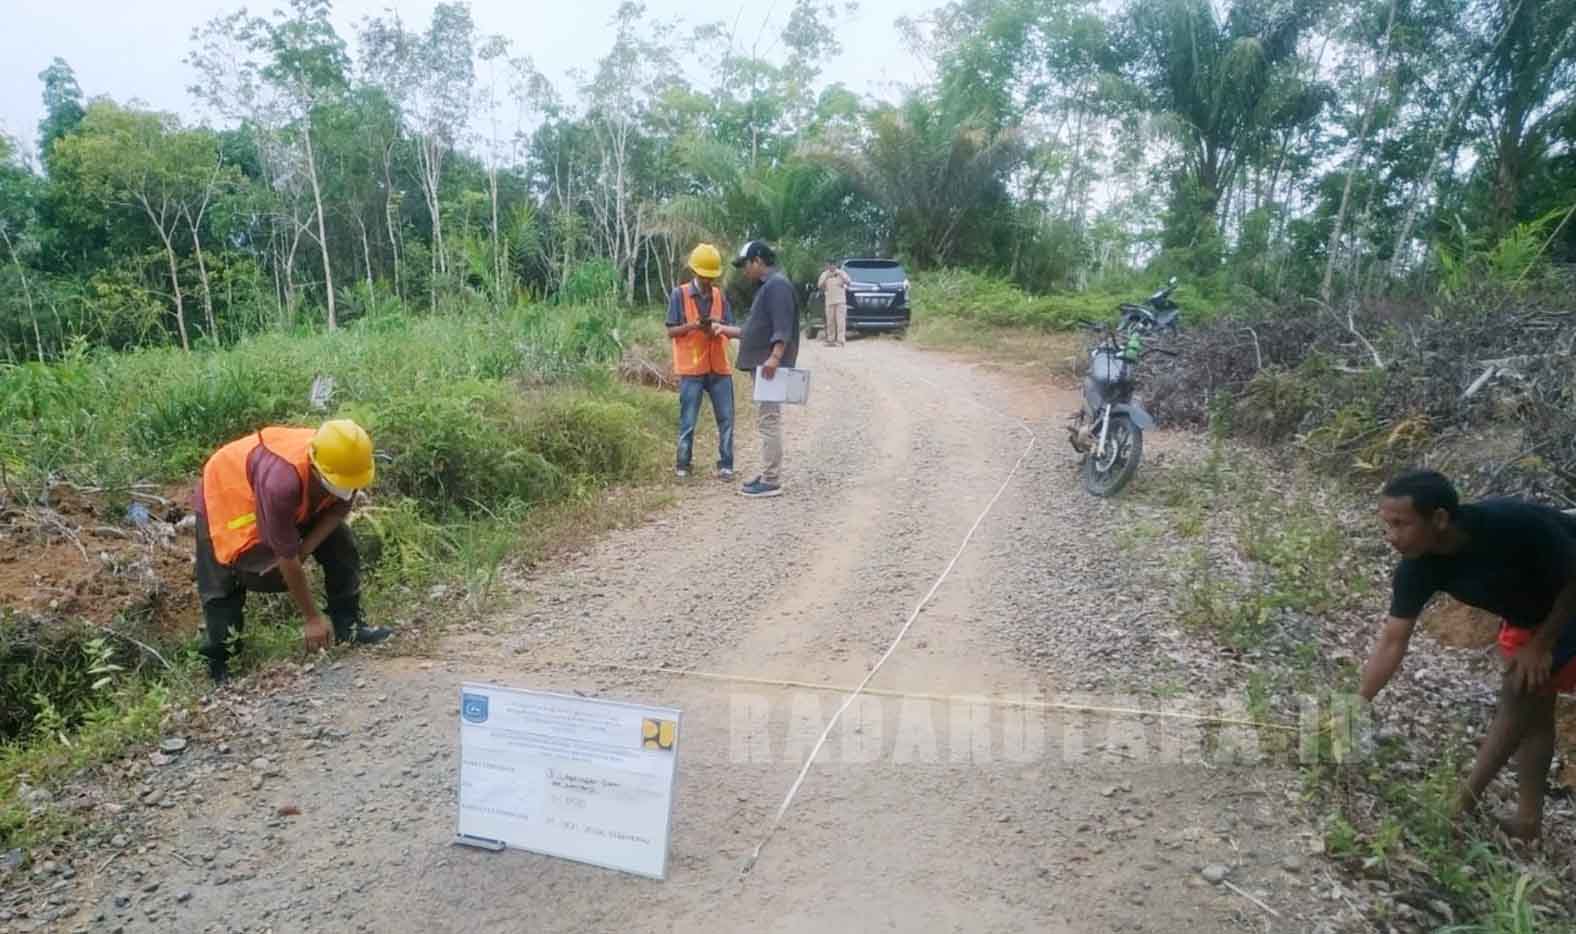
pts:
[706, 261]
[342, 453]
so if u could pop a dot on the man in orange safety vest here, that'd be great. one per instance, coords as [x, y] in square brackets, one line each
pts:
[700, 322]
[264, 503]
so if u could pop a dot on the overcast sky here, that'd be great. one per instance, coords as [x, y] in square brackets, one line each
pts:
[129, 49]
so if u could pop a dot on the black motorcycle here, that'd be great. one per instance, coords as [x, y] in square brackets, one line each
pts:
[1157, 315]
[1109, 430]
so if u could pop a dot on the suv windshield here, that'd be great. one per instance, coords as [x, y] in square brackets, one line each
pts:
[878, 271]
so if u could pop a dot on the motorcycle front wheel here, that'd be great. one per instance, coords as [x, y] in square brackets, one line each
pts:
[1105, 474]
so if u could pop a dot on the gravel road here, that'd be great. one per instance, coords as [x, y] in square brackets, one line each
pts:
[919, 815]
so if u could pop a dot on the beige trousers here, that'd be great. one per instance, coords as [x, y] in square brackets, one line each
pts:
[769, 423]
[837, 322]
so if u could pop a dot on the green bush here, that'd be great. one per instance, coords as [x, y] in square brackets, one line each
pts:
[604, 440]
[985, 299]
[591, 282]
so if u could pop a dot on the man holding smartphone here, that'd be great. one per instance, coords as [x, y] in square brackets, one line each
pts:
[700, 323]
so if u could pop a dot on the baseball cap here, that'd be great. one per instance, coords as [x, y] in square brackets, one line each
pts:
[755, 249]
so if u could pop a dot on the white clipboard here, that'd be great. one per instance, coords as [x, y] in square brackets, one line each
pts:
[789, 385]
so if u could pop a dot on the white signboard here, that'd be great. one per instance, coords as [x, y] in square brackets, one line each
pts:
[584, 779]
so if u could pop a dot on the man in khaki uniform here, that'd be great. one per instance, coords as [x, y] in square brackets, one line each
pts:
[834, 285]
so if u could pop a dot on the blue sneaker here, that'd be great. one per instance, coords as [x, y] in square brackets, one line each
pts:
[760, 489]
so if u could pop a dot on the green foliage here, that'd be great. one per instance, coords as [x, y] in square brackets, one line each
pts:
[594, 282]
[987, 300]
[53, 679]
[1516, 261]
[109, 721]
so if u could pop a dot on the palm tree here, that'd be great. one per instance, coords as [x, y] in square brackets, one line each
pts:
[934, 174]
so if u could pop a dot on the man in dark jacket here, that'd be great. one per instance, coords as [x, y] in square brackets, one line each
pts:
[1516, 560]
[770, 340]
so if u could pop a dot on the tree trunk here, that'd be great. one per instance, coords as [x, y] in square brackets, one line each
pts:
[322, 228]
[492, 191]
[164, 223]
[388, 216]
[295, 244]
[202, 275]
[279, 288]
[1330, 252]
[429, 151]
[366, 253]
[175, 288]
[1507, 175]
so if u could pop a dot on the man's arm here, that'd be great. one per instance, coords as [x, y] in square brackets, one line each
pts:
[677, 327]
[1386, 658]
[316, 631]
[783, 311]
[727, 328]
[331, 519]
[1553, 555]
[1533, 664]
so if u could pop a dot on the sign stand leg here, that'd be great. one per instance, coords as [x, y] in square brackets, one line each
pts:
[480, 843]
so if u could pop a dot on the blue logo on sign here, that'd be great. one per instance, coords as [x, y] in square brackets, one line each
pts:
[473, 707]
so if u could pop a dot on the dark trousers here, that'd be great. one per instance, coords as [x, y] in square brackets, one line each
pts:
[720, 388]
[223, 589]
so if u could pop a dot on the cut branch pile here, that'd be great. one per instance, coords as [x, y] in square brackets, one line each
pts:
[1384, 385]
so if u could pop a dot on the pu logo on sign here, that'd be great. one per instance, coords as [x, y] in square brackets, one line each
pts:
[658, 734]
[473, 707]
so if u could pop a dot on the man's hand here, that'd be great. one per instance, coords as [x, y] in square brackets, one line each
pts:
[1531, 666]
[769, 368]
[317, 633]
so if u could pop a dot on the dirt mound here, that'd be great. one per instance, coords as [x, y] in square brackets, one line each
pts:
[78, 557]
[1460, 626]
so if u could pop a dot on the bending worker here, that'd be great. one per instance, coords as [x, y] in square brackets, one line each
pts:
[1516, 560]
[263, 504]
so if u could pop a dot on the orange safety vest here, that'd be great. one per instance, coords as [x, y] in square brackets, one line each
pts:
[697, 353]
[227, 492]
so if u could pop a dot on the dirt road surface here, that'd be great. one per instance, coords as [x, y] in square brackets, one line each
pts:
[917, 816]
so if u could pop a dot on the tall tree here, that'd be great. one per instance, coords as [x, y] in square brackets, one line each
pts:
[1528, 92]
[147, 161]
[1369, 109]
[63, 107]
[1227, 82]
[431, 77]
[935, 176]
[275, 74]
[618, 98]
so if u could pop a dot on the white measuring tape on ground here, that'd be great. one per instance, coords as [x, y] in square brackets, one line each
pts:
[848, 701]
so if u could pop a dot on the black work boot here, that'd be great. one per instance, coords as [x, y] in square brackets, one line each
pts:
[349, 627]
[220, 619]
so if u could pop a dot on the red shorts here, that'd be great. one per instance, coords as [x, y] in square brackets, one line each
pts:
[1512, 638]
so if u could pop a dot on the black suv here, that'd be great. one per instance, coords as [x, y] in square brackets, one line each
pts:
[877, 297]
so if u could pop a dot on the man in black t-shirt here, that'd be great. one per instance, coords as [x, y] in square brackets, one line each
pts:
[1516, 560]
